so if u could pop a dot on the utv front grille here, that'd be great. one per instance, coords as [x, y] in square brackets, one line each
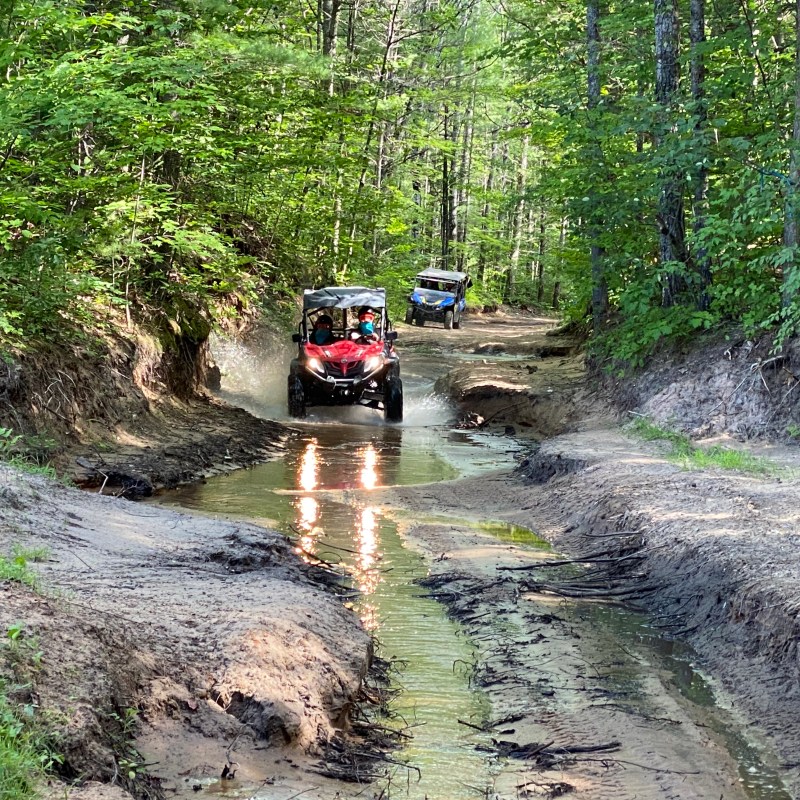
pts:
[336, 371]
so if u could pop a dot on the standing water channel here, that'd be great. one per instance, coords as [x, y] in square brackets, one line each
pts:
[319, 494]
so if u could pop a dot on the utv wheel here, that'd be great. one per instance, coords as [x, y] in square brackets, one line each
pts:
[457, 320]
[409, 315]
[297, 398]
[393, 401]
[448, 320]
[420, 320]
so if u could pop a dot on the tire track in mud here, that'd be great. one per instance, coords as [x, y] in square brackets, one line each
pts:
[575, 710]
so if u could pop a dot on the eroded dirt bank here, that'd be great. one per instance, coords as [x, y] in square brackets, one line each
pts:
[208, 642]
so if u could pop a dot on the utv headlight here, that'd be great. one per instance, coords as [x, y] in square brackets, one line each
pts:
[315, 365]
[371, 364]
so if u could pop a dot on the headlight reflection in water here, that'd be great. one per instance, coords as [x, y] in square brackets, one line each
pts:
[366, 570]
[364, 536]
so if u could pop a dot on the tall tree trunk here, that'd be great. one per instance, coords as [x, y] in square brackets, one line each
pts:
[697, 29]
[519, 215]
[329, 23]
[329, 12]
[488, 187]
[464, 179]
[790, 226]
[379, 95]
[672, 232]
[540, 256]
[556, 295]
[596, 252]
[448, 221]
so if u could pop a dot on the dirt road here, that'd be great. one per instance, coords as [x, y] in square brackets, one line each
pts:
[158, 637]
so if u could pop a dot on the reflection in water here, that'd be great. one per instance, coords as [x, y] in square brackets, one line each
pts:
[369, 472]
[366, 572]
[308, 512]
[365, 534]
[307, 507]
[307, 478]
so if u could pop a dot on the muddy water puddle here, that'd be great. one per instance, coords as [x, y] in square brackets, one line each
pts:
[319, 493]
[674, 664]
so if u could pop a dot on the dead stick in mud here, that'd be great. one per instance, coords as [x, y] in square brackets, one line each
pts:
[322, 542]
[577, 593]
[581, 748]
[598, 557]
[305, 791]
[470, 725]
[606, 761]
[632, 712]
[329, 564]
[488, 419]
[88, 566]
[550, 564]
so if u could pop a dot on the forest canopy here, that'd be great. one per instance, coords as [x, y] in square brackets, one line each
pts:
[636, 161]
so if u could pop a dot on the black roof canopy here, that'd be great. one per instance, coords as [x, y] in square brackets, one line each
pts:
[344, 297]
[442, 275]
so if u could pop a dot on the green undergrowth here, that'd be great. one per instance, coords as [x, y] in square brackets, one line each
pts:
[16, 567]
[26, 453]
[23, 758]
[26, 747]
[692, 456]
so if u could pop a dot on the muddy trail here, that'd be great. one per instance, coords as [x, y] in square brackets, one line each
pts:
[506, 596]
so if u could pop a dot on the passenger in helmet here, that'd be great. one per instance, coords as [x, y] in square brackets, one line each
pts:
[323, 330]
[366, 325]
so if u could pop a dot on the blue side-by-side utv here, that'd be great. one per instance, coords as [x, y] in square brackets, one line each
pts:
[438, 296]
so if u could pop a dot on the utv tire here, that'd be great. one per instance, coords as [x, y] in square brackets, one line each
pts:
[457, 320]
[297, 398]
[393, 400]
[420, 320]
[409, 315]
[448, 320]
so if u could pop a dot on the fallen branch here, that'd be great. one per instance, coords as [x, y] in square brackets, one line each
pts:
[564, 562]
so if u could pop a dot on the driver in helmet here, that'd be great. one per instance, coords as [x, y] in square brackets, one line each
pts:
[365, 332]
[323, 330]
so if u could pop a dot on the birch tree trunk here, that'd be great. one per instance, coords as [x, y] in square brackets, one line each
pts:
[540, 255]
[464, 178]
[519, 215]
[488, 187]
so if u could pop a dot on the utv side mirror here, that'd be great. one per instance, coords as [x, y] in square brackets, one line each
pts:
[297, 338]
[391, 336]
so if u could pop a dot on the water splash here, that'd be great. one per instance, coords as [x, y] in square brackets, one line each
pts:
[254, 378]
[254, 374]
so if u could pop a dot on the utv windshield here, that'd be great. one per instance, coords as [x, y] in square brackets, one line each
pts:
[440, 290]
